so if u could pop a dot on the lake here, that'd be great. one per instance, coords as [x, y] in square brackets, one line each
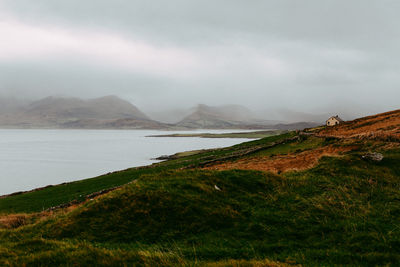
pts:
[36, 158]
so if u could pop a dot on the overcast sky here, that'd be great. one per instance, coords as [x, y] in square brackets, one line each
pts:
[302, 55]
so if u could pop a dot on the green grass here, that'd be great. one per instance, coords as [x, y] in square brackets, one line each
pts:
[56, 195]
[293, 147]
[42, 252]
[344, 211]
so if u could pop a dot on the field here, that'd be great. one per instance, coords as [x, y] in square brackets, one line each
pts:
[297, 198]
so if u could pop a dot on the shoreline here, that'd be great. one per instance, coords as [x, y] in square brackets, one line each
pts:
[244, 135]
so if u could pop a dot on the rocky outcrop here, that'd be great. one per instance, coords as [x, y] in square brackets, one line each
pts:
[373, 156]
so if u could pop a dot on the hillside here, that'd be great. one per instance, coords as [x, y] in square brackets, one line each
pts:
[381, 126]
[229, 116]
[313, 198]
[61, 112]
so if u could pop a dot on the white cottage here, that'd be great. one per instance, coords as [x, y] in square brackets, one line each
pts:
[334, 120]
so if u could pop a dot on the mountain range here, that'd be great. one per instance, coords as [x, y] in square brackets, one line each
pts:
[112, 112]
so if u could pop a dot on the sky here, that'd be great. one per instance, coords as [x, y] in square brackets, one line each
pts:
[306, 56]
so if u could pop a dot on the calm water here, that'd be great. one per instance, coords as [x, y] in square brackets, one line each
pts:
[36, 158]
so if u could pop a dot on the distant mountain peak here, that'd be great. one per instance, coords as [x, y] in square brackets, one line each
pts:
[226, 116]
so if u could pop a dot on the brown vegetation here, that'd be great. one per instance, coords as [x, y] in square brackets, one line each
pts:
[282, 163]
[13, 221]
[384, 126]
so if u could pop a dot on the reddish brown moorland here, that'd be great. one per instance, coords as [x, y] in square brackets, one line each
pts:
[384, 126]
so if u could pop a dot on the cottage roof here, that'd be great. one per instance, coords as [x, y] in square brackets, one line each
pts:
[336, 117]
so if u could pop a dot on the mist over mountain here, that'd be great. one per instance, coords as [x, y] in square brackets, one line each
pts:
[265, 55]
[173, 116]
[107, 107]
[346, 110]
[112, 112]
[11, 104]
[291, 116]
[201, 115]
[226, 116]
[65, 112]
[232, 113]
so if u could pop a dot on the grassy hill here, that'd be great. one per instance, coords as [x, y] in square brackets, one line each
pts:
[300, 198]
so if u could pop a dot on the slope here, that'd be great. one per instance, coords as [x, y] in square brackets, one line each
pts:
[381, 126]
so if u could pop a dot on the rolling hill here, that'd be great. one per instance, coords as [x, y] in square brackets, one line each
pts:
[312, 198]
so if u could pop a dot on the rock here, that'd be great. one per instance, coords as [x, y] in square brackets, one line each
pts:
[374, 156]
[167, 157]
[163, 157]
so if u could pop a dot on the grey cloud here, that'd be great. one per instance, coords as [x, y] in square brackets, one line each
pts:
[358, 22]
[303, 55]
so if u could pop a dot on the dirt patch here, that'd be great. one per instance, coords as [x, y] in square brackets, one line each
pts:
[13, 221]
[283, 163]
